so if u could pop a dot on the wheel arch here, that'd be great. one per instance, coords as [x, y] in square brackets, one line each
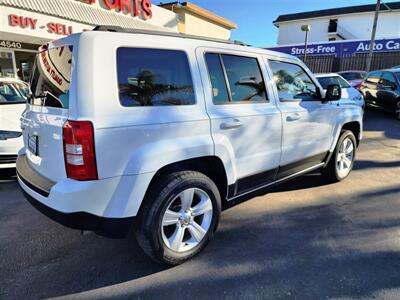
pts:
[355, 128]
[349, 120]
[211, 166]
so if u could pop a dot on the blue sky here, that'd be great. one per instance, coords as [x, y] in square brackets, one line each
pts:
[255, 17]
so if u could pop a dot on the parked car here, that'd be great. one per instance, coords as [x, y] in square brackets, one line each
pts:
[355, 78]
[349, 94]
[396, 67]
[160, 130]
[13, 96]
[381, 89]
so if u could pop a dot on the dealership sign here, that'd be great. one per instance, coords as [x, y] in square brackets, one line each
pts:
[131, 7]
[340, 49]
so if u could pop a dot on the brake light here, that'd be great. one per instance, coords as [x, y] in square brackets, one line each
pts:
[79, 154]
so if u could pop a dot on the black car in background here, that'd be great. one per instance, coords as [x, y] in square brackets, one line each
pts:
[381, 89]
[355, 78]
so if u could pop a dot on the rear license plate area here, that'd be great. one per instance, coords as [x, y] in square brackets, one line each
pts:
[33, 142]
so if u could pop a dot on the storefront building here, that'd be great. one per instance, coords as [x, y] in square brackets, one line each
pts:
[198, 21]
[25, 25]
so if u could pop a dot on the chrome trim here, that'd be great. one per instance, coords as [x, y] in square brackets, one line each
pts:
[278, 181]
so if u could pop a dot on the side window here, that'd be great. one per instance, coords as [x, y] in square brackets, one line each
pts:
[292, 82]
[217, 77]
[152, 77]
[388, 79]
[374, 77]
[245, 79]
[235, 79]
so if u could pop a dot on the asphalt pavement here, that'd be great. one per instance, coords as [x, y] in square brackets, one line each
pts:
[306, 239]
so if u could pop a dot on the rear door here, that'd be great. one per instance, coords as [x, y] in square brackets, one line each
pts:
[43, 120]
[245, 121]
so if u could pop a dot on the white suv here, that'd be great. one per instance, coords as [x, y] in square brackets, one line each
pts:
[160, 130]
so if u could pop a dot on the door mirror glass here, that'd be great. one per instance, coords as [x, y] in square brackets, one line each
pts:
[333, 92]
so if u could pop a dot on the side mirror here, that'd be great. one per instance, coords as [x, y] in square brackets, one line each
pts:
[333, 92]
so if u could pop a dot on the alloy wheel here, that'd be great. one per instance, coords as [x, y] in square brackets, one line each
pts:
[187, 220]
[345, 157]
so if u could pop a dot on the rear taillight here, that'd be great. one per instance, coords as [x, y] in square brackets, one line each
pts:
[79, 154]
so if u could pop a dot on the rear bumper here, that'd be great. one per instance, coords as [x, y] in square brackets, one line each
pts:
[110, 227]
[106, 206]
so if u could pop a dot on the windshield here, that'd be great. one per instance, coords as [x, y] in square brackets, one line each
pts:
[51, 77]
[397, 75]
[326, 81]
[13, 92]
[353, 75]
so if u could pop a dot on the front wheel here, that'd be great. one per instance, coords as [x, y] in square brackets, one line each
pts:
[179, 217]
[342, 160]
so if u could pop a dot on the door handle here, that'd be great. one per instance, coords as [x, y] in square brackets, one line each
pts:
[293, 117]
[231, 124]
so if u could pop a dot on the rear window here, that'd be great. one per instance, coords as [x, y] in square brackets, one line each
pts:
[326, 81]
[374, 77]
[353, 75]
[154, 77]
[51, 77]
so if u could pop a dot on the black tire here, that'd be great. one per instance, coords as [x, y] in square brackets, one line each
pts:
[162, 194]
[331, 171]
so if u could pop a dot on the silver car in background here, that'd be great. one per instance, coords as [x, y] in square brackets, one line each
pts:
[349, 93]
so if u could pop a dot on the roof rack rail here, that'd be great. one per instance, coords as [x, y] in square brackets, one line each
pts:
[164, 33]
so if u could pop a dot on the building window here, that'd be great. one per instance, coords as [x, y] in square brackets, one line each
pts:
[333, 24]
[6, 64]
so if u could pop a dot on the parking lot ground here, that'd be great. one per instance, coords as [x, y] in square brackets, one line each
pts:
[305, 240]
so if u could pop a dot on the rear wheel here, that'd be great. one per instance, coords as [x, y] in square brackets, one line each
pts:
[342, 160]
[179, 217]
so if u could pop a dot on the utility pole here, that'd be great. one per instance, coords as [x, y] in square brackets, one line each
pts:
[305, 28]
[373, 34]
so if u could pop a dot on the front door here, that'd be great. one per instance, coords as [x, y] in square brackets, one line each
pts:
[245, 121]
[308, 123]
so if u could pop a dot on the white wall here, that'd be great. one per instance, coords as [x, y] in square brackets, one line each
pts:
[358, 25]
[39, 34]
[290, 32]
[196, 25]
